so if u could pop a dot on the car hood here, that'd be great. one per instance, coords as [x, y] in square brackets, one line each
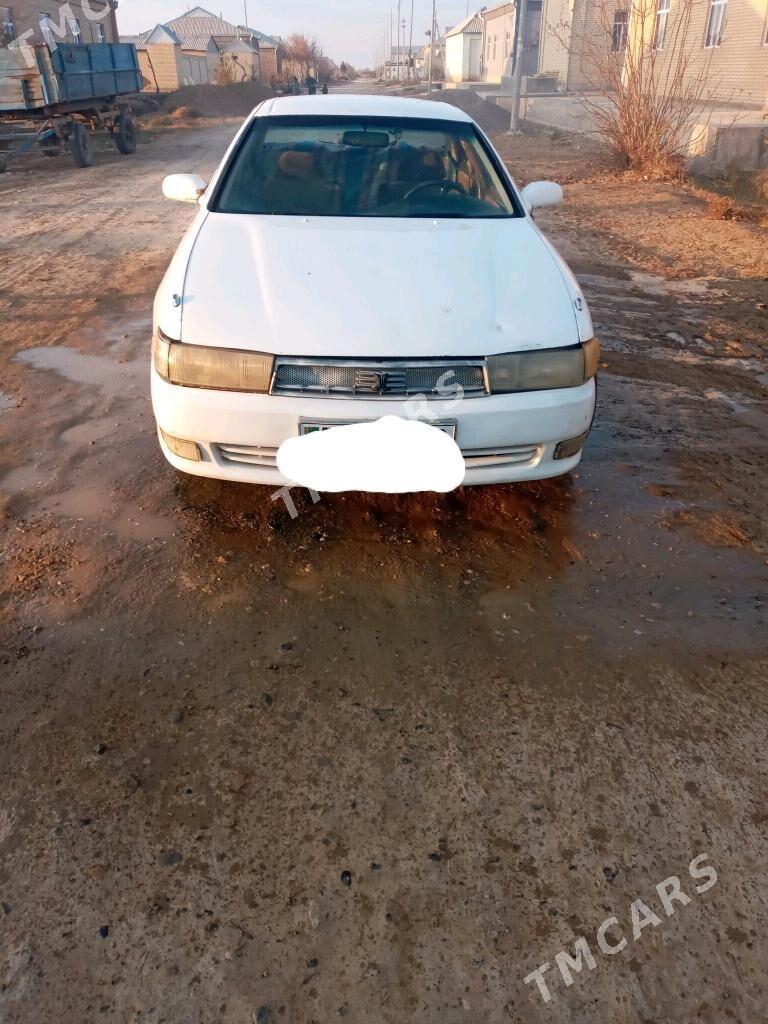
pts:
[381, 288]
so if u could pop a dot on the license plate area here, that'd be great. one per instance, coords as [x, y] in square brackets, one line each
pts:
[317, 426]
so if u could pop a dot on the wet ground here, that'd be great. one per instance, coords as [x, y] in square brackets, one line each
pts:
[382, 761]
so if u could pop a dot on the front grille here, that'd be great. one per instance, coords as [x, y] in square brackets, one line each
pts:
[475, 458]
[515, 455]
[241, 454]
[379, 379]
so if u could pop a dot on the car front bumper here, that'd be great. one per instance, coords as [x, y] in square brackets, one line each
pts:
[504, 438]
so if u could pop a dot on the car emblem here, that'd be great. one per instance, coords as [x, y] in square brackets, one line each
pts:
[368, 381]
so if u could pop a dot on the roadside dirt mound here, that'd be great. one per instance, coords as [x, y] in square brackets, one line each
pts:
[218, 100]
[490, 116]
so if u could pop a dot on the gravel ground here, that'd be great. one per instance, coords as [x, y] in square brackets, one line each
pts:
[381, 762]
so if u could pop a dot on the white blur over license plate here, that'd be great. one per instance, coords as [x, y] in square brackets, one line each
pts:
[315, 427]
[386, 456]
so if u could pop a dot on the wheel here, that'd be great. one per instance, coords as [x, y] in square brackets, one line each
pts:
[124, 134]
[80, 145]
[50, 144]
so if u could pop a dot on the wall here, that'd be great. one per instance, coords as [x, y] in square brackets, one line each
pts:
[737, 70]
[164, 58]
[192, 67]
[498, 43]
[268, 60]
[464, 57]
[554, 58]
[454, 58]
[26, 15]
[591, 34]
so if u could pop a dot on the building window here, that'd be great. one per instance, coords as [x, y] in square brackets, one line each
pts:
[660, 24]
[98, 32]
[716, 23]
[74, 28]
[619, 34]
[494, 47]
[46, 27]
[508, 47]
[7, 27]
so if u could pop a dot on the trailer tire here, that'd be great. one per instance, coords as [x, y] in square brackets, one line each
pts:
[124, 134]
[80, 145]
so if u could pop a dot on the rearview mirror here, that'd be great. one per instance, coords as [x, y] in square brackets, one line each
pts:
[542, 193]
[372, 140]
[184, 188]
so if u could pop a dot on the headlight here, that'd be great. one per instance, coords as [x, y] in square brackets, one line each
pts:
[220, 369]
[545, 370]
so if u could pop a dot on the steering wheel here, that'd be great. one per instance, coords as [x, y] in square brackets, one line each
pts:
[442, 186]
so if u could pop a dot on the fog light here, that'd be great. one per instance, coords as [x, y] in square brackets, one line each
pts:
[567, 449]
[184, 449]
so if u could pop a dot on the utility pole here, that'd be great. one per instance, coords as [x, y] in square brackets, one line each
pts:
[391, 34]
[432, 44]
[411, 69]
[517, 81]
[245, 10]
[399, 50]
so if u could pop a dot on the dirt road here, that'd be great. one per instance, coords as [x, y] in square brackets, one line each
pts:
[380, 762]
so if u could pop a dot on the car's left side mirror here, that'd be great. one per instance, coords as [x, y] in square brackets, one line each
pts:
[542, 193]
[184, 188]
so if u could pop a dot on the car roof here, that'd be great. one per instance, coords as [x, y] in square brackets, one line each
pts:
[359, 105]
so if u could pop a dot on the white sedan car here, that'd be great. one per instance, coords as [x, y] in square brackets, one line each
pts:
[356, 257]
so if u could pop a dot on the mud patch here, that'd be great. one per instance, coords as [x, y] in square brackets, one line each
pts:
[715, 528]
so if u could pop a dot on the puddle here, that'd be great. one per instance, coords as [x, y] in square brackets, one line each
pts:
[6, 402]
[89, 432]
[714, 395]
[660, 286]
[25, 478]
[80, 503]
[84, 369]
[614, 344]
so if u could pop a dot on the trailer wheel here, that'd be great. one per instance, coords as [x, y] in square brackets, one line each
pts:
[124, 134]
[80, 145]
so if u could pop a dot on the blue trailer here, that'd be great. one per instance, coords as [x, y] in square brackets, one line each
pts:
[54, 98]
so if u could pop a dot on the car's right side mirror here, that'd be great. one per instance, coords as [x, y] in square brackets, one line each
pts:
[184, 188]
[541, 193]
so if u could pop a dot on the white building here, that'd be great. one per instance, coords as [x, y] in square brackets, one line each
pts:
[406, 63]
[464, 51]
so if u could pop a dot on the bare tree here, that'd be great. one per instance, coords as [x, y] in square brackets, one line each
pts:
[300, 56]
[230, 70]
[650, 78]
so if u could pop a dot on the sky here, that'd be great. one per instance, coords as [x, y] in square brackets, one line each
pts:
[349, 30]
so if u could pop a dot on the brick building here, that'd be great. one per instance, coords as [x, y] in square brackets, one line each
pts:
[52, 21]
[725, 40]
[188, 50]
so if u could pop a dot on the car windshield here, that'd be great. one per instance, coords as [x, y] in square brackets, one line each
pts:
[369, 167]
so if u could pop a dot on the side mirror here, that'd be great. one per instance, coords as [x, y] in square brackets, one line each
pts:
[542, 193]
[184, 188]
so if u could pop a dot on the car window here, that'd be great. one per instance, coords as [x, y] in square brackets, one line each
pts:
[352, 167]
